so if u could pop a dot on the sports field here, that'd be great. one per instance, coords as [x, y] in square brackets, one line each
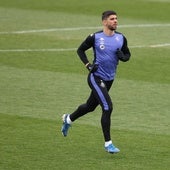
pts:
[41, 78]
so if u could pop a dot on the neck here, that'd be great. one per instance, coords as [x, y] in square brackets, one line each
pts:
[108, 32]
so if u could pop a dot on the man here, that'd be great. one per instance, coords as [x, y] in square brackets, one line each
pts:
[109, 47]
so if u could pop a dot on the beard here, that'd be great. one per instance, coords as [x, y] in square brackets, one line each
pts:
[112, 28]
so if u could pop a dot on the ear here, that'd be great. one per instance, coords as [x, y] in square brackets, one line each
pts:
[104, 22]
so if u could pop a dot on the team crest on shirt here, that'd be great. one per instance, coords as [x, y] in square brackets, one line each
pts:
[101, 42]
[117, 38]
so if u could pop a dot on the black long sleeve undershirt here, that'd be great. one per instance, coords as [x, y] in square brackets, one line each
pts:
[88, 43]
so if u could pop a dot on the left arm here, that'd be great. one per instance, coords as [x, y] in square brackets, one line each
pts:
[124, 53]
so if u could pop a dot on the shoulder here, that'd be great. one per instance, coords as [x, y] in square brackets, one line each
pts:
[91, 37]
[99, 32]
[95, 33]
[121, 34]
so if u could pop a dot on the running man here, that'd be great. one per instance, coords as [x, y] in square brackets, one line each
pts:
[109, 47]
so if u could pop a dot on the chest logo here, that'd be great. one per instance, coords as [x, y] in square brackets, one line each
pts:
[117, 38]
[101, 42]
[102, 47]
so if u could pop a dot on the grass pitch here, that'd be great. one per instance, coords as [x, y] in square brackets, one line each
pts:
[41, 78]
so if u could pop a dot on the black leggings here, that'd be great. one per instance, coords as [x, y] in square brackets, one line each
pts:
[99, 95]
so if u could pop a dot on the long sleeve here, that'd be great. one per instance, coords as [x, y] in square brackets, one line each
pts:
[86, 44]
[125, 51]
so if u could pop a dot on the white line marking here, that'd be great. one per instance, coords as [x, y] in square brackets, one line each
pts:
[38, 50]
[83, 28]
[160, 45]
[151, 46]
[74, 49]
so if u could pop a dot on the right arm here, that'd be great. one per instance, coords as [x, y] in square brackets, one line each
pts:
[86, 44]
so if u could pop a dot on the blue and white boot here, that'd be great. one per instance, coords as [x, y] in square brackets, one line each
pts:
[111, 149]
[65, 125]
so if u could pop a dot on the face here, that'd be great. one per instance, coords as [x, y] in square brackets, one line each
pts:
[111, 22]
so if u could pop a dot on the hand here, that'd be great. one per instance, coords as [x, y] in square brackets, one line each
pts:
[120, 54]
[92, 67]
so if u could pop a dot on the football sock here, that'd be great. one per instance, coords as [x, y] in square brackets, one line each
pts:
[108, 143]
[69, 120]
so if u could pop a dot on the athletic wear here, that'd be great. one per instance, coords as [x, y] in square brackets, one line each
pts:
[111, 149]
[104, 48]
[65, 125]
[100, 81]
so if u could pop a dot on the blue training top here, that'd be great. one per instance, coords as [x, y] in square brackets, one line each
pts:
[104, 48]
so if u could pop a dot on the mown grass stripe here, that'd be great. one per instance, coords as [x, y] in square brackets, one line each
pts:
[73, 49]
[83, 28]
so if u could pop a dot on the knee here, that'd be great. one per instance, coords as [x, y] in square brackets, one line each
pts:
[86, 108]
[108, 109]
[91, 109]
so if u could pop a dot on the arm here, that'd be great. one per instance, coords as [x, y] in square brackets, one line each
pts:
[124, 53]
[86, 44]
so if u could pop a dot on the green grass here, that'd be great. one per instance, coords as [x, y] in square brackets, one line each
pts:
[37, 87]
[37, 144]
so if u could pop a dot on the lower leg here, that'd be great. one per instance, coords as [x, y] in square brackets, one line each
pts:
[106, 122]
[80, 111]
[83, 109]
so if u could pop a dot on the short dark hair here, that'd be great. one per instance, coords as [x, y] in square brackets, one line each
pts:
[106, 14]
